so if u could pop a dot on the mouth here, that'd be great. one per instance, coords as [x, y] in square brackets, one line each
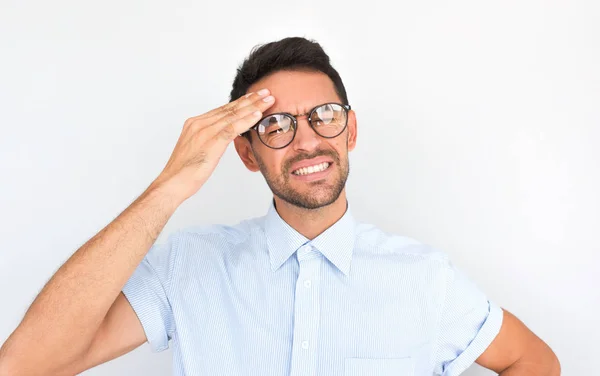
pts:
[313, 169]
[313, 173]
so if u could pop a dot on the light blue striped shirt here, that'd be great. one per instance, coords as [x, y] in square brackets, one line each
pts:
[258, 298]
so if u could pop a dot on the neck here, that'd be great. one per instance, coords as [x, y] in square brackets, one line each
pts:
[311, 222]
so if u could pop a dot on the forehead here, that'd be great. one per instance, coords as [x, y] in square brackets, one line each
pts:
[297, 92]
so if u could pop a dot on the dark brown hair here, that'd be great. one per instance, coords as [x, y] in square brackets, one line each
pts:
[291, 54]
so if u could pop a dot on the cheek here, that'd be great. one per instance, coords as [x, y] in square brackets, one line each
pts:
[341, 148]
[274, 162]
[278, 164]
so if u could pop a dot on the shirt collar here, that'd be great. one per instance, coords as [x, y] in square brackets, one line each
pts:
[336, 243]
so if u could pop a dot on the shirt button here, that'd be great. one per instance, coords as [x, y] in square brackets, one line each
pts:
[307, 283]
[305, 345]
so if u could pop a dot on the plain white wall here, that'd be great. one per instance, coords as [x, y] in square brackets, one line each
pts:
[478, 131]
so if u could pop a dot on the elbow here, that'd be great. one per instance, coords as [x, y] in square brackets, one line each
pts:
[542, 363]
[15, 361]
[554, 365]
[549, 364]
[7, 365]
[546, 365]
[13, 366]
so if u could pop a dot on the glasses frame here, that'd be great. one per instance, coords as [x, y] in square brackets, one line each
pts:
[309, 115]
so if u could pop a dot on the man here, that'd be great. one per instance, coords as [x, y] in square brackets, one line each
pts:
[304, 290]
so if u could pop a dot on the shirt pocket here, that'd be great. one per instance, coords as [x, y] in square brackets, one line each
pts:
[379, 367]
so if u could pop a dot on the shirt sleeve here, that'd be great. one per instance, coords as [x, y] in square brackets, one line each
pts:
[147, 290]
[469, 323]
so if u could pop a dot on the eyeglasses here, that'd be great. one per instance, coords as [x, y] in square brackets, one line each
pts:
[278, 130]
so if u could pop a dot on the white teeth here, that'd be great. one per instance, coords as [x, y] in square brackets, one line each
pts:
[311, 169]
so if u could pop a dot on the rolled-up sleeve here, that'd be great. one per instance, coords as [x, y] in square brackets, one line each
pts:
[469, 323]
[147, 292]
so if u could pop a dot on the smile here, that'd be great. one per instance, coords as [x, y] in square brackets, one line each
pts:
[311, 169]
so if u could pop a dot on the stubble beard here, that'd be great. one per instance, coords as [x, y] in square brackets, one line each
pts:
[319, 193]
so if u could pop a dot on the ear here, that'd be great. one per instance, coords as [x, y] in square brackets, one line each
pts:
[351, 130]
[244, 150]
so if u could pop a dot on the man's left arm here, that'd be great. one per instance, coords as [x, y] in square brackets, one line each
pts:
[517, 351]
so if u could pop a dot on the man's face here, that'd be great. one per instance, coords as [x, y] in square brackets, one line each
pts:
[285, 170]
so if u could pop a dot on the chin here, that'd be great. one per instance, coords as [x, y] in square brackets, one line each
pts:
[310, 200]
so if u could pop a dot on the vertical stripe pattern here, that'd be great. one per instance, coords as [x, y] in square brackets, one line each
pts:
[258, 298]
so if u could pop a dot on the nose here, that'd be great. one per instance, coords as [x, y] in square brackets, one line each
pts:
[306, 138]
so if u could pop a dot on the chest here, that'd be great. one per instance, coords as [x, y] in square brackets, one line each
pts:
[308, 317]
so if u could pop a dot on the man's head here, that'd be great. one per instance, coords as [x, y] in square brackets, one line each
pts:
[298, 74]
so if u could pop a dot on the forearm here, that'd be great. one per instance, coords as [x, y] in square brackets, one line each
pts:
[63, 319]
[62, 322]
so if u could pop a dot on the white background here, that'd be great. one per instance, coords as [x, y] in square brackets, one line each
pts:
[479, 124]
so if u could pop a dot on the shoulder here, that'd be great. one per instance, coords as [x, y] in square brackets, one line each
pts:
[372, 240]
[226, 234]
[198, 247]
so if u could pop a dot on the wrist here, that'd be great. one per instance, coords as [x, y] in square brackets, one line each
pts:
[166, 192]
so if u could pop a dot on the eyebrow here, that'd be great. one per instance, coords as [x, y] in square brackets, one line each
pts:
[297, 115]
[305, 114]
[288, 113]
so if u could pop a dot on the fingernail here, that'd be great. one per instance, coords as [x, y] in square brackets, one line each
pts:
[263, 92]
[256, 114]
[270, 98]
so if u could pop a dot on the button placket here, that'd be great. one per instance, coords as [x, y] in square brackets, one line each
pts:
[306, 312]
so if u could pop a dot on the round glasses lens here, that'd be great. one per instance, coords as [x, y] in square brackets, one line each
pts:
[276, 130]
[329, 120]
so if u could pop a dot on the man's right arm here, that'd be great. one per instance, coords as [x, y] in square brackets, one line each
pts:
[82, 301]
[81, 318]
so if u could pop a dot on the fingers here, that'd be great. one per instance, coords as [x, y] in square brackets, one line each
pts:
[237, 120]
[233, 113]
[243, 101]
[229, 127]
[228, 114]
[217, 138]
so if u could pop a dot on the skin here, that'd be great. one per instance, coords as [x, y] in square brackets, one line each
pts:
[80, 318]
[95, 322]
[298, 93]
[515, 351]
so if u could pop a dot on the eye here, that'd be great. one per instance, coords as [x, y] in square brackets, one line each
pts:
[324, 115]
